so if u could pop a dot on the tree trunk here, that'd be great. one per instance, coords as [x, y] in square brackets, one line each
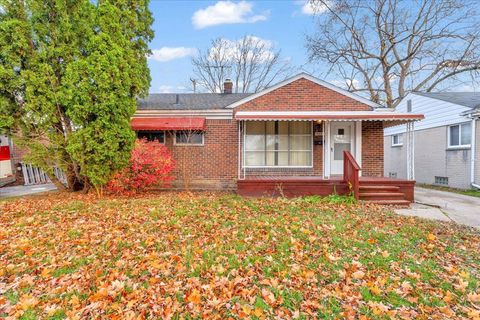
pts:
[74, 183]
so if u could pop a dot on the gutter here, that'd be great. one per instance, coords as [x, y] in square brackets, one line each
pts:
[474, 116]
[472, 154]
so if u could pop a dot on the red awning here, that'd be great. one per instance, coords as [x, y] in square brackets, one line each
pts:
[165, 124]
[4, 153]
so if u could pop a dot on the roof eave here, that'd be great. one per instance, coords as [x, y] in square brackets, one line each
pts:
[328, 115]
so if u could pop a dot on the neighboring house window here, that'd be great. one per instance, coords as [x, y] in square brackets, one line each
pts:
[397, 140]
[189, 137]
[152, 135]
[441, 180]
[278, 144]
[459, 135]
[409, 105]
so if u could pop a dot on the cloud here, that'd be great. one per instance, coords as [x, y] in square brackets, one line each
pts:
[311, 8]
[171, 89]
[226, 12]
[230, 48]
[170, 53]
[345, 83]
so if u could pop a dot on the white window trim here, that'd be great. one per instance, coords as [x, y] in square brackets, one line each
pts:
[400, 144]
[175, 143]
[459, 146]
[277, 167]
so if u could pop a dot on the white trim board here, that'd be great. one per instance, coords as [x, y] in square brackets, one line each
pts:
[306, 76]
[220, 114]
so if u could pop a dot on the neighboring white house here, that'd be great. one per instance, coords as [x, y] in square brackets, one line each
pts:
[446, 143]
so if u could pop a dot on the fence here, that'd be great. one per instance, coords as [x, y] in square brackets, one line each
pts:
[33, 175]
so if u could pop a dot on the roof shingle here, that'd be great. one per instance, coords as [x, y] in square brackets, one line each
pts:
[189, 101]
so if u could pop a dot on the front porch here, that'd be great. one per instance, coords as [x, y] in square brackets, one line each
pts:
[317, 156]
[374, 189]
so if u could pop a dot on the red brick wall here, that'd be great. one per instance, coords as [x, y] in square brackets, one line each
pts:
[303, 95]
[211, 166]
[372, 148]
[215, 164]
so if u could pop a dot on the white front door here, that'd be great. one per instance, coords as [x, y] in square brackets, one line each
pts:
[342, 138]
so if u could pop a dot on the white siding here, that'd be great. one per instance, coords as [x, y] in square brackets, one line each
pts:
[437, 113]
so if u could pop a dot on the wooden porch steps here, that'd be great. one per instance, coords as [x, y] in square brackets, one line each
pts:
[397, 203]
[382, 196]
[378, 188]
[379, 192]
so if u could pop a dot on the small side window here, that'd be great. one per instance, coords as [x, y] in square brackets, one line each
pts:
[460, 135]
[397, 140]
[409, 105]
[189, 138]
[441, 181]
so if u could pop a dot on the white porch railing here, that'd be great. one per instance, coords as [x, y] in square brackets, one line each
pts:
[34, 175]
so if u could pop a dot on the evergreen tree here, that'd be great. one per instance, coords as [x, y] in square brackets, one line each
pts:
[70, 73]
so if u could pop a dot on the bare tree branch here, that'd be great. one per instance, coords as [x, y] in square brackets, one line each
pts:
[252, 64]
[389, 48]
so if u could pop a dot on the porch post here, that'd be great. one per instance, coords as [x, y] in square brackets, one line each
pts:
[410, 151]
[241, 169]
[326, 151]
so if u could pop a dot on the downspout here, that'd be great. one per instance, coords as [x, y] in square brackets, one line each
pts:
[413, 150]
[473, 154]
[239, 150]
[323, 150]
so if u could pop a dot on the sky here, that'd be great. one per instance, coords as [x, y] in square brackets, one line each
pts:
[182, 27]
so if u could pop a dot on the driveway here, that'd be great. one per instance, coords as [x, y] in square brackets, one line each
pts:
[445, 206]
[19, 191]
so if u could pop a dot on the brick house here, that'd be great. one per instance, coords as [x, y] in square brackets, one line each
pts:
[290, 139]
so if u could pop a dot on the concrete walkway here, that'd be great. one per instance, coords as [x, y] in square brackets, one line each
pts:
[445, 206]
[19, 191]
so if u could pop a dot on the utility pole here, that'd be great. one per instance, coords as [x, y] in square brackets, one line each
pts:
[194, 84]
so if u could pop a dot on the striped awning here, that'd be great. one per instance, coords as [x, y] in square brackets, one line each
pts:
[328, 115]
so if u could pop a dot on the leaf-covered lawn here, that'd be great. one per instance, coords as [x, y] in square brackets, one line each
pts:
[220, 256]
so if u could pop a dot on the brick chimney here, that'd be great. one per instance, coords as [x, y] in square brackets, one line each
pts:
[228, 86]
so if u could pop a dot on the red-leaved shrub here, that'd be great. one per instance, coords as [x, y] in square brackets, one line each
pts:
[150, 167]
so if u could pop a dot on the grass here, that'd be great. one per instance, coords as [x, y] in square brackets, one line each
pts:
[467, 192]
[192, 256]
